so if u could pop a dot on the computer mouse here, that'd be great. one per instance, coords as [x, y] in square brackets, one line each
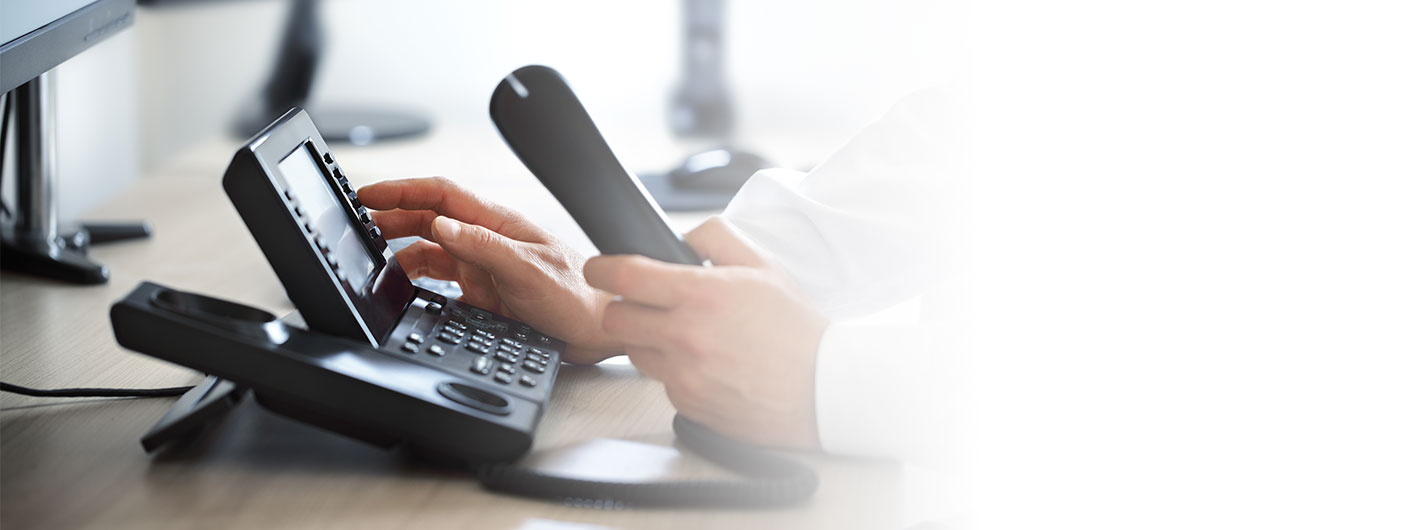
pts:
[718, 170]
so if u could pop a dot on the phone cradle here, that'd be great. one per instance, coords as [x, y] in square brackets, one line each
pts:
[358, 391]
[331, 382]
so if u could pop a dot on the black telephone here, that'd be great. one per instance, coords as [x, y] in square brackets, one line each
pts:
[381, 360]
[393, 364]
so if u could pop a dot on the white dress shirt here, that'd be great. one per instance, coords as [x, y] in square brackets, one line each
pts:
[856, 233]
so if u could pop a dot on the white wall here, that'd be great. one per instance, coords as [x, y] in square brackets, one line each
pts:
[199, 63]
[823, 69]
[96, 118]
[97, 124]
[180, 76]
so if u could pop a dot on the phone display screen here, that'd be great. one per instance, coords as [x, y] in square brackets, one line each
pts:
[324, 209]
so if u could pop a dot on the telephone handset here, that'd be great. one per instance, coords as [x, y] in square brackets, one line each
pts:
[546, 125]
[543, 122]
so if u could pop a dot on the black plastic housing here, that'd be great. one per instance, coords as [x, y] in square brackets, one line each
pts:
[382, 360]
[253, 183]
[547, 127]
[342, 385]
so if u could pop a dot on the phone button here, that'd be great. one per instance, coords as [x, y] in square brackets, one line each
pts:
[481, 366]
[474, 397]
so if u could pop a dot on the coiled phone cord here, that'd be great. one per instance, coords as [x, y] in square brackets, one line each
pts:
[772, 481]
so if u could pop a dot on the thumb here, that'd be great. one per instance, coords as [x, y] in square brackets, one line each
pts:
[720, 242]
[475, 244]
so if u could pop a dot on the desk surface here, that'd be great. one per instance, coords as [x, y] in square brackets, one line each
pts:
[76, 463]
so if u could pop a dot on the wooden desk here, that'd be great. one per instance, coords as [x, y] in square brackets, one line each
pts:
[76, 463]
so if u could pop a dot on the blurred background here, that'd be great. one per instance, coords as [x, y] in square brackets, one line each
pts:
[803, 76]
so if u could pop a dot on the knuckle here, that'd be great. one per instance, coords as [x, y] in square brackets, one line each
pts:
[478, 239]
[450, 187]
[444, 182]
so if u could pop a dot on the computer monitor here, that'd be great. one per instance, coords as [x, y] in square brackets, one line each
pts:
[39, 35]
[290, 85]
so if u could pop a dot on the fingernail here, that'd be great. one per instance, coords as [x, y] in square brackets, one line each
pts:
[446, 227]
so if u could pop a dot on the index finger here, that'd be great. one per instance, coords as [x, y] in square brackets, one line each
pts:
[437, 194]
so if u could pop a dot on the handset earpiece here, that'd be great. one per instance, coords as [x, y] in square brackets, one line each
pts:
[546, 125]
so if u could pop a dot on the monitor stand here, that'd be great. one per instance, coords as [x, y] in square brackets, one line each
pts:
[702, 109]
[32, 242]
[290, 85]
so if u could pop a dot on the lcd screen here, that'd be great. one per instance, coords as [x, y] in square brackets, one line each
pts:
[323, 207]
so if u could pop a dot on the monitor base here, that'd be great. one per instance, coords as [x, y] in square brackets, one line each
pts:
[65, 258]
[32, 241]
[704, 181]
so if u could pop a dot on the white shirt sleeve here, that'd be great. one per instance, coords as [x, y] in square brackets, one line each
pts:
[851, 232]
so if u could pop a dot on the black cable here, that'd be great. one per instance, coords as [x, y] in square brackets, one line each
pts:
[95, 392]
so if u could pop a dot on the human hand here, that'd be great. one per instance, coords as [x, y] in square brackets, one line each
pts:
[503, 262]
[735, 344]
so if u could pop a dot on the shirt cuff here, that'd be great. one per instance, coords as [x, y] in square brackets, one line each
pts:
[874, 391]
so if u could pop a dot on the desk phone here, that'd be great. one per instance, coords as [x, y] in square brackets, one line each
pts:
[402, 366]
[381, 359]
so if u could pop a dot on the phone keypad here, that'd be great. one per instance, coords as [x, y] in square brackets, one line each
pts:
[468, 340]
